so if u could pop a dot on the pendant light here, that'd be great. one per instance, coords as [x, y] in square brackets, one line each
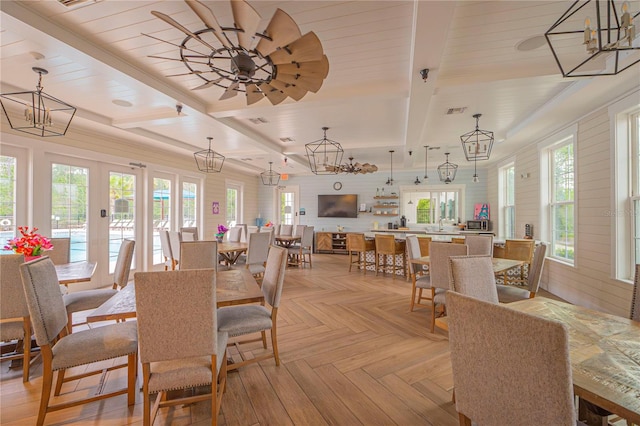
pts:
[390, 180]
[427, 148]
[410, 198]
[447, 171]
[324, 155]
[270, 178]
[209, 161]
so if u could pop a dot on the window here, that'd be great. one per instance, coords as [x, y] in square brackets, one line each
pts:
[635, 185]
[8, 199]
[122, 206]
[561, 200]
[189, 204]
[69, 205]
[161, 214]
[428, 207]
[507, 190]
[234, 203]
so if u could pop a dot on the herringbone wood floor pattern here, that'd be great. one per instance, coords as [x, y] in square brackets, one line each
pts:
[351, 354]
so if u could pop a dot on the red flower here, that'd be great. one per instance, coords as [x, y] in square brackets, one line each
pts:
[30, 244]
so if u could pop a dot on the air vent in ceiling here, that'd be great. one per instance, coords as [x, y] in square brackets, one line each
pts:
[73, 4]
[258, 120]
[287, 139]
[452, 111]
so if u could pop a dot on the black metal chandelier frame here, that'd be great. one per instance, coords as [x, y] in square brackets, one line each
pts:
[270, 178]
[209, 161]
[447, 171]
[325, 155]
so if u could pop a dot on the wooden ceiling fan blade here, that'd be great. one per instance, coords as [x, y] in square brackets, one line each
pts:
[195, 72]
[253, 94]
[209, 19]
[282, 30]
[274, 95]
[312, 84]
[293, 92]
[307, 69]
[208, 84]
[169, 20]
[230, 92]
[306, 48]
[246, 18]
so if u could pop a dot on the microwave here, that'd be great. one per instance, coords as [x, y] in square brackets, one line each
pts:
[478, 225]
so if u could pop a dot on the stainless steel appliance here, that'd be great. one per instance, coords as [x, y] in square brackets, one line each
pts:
[478, 225]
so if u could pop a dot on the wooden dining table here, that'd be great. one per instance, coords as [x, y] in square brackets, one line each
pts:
[286, 241]
[75, 272]
[233, 287]
[499, 264]
[231, 251]
[604, 354]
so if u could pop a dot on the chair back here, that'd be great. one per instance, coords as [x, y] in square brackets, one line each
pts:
[12, 303]
[439, 254]
[191, 230]
[298, 231]
[306, 242]
[44, 299]
[165, 244]
[473, 276]
[273, 279]
[385, 244]
[187, 236]
[479, 245]
[176, 324]
[198, 255]
[272, 232]
[535, 271]
[123, 263]
[519, 250]
[540, 394]
[635, 300]
[286, 230]
[356, 242]
[61, 251]
[244, 236]
[258, 249]
[457, 240]
[424, 245]
[235, 234]
[174, 243]
[413, 251]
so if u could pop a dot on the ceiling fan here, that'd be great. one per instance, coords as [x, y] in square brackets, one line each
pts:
[277, 63]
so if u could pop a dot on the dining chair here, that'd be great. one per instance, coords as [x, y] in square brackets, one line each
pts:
[83, 300]
[165, 244]
[473, 275]
[61, 251]
[491, 388]
[286, 230]
[248, 319]
[359, 246]
[480, 245]
[180, 344]
[439, 253]
[14, 313]
[192, 230]
[199, 255]
[635, 299]
[271, 230]
[419, 280]
[512, 293]
[257, 253]
[174, 243]
[244, 237]
[518, 250]
[186, 236]
[61, 351]
[301, 254]
[297, 232]
[386, 246]
[235, 234]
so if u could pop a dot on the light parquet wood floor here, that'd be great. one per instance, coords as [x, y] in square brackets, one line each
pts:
[351, 354]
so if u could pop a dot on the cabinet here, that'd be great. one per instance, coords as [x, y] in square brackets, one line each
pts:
[385, 205]
[331, 242]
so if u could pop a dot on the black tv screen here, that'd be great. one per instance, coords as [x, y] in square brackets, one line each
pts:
[338, 205]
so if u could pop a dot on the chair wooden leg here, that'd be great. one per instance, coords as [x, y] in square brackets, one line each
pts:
[274, 344]
[413, 296]
[47, 383]
[26, 348]
[132, 373]
[146, 404]
[350, 260]
[377, 263]
[264, 339]
[59, 382]
[464, 420]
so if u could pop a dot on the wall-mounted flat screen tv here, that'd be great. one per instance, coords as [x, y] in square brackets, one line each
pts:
[338, 205]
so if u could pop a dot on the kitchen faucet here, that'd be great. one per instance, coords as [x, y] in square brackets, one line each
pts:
[440, 224]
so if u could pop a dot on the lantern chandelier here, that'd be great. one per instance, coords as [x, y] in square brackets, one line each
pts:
[270, 178]
[603, 46]
[209, 161]
[324, 155]
[447, 171]
[277, 63]
[357, 168]
[37, 113]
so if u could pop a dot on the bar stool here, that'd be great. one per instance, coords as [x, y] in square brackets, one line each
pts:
[386, 245]
[359, 246]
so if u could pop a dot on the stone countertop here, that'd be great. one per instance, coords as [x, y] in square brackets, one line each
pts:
[426, 232]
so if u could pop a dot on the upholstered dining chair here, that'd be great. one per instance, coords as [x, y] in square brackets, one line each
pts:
[14, 313]
[424, 245]
[511, 293]
[492, 389]
[83, 300]
[244, 236]
[386, 246]
[439, 254]
[61, 251]
[301, 254]
[199, 255]
[420, 282]
[61, 351]
[248, 319]
[180, 345]
[297, 232]
[186, 236]
[165, 244]
[480, 245]
[235, 234]
[257, 253]
[174, 243]
[191, 230]
[473, 275]
[359, 246]
[286, 230]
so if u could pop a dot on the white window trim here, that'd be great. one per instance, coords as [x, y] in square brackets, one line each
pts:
[22, 213]
[502, 233]
[562, 137]
[239, 185]
[622, 253]
[406, 190]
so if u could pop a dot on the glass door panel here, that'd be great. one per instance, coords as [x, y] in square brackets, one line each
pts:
[122, 213]
[69, 206]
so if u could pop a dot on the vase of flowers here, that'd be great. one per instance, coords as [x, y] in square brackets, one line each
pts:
[221, 231]
[30, 244]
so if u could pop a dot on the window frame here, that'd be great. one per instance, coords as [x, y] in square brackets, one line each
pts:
[239, 187]
[21, 203]
[503, 203]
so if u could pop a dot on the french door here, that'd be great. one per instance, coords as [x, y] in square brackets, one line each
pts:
[287, 205]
